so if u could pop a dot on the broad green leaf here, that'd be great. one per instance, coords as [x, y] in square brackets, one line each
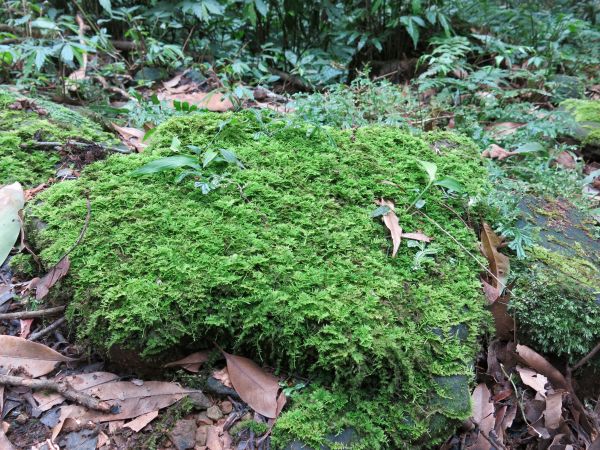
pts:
[44, 24]
[420, 204]
[261, 7]
[106, 5]
[430, 168]
[66, 54]
[170, 162]
[381, 211]
[451, 184]
[230, 157]
[209, 157]
[12, 200]
[591, 176]
[530, 147]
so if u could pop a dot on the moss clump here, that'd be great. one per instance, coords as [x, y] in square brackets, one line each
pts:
[587, 115]
[20, 128]
[284, 265]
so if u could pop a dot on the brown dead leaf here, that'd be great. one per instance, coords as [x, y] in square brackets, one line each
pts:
[483, 414]
[391, 222]
[135, 400]
[499, 263]
[501, 129]
[25, 325]
[82, 382]
[254, 385]
[553, 412]
[5, 444]
[29, 358]
[103, 440]
[191, 363]
[173, 81]
[566, 160]
[417, 237]
[533, 379]
[496, 152]
[31, 193]
[538, 363]
[132, 137]
[52, 277]
[140, 422]
[213, 442]
[213, 101]
[503, 322]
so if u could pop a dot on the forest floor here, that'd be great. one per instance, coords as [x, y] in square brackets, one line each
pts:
[55, 393]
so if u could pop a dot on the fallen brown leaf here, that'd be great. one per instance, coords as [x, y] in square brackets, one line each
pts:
[496, 152]
[5, 444]
[191, 363]
[533, 379]
[499, 263]
[566, 160]
[254, 385]
[223, 376]
[52, 277]
[12, 200]
[25, 325]
[30, 358]
[483, 414]
[538, 363]
[501, 129]
[132, 137]
[553, 412]
[417, 237]
[391, 222]
[173, 81]
[213, 442]
[140, 422]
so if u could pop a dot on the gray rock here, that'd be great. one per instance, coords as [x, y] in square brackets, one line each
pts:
[80, 440]
[346, 438]
[183, 435]
[199, 400]
[214, 413]
[452, 394]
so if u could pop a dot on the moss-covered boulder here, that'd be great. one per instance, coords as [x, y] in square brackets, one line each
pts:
[586, 114]
[24, 121]
[556, 297]
[285, 264]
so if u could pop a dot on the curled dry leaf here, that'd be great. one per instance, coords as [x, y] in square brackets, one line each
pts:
[25, 325]
[31, 358]
[255, 386]
[140, 422]
[566, 160]
[191, 363]
[12, 200]
[541, 365]
[417, 237]
[553, 412]
[223, 376]
[501, 129]
[391, 222]
[5, 444]
[52, 277]
[132, 137]
[498, 262]
[533, 379]
[496, 152]
[483, 414]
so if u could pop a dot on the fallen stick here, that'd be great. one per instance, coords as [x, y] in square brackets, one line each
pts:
[32, 314]
[61, 387]
[44, 331]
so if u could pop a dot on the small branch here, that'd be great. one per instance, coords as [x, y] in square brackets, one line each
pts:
[587, 357]
[88, 216]
[54, 145]
[61, 387]
[32, 314]
[115, 90]
[53, 326]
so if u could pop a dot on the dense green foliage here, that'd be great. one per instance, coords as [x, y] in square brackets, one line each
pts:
[284, 263]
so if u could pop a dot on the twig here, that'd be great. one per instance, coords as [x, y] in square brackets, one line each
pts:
[113, 89]
[587, 357]
[42, 145]
[62, 387]
[32, 314]
[44, 331]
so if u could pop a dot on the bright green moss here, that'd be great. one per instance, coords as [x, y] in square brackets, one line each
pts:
[20, 128]
[583, 110]
[284, 265]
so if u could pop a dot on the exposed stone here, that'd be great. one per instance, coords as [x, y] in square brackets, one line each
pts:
[226, 407]
[201, 434]
[203, 419]
[183, 435]
[214, 413]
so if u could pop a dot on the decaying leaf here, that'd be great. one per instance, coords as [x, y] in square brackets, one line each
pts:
[133, 137]
[256, 387]
[5, 444]
[25, 325]
[140, 422]
[533, 379]
[503, 322]
[483, 414]
[417, 237]
[12, 200]
[501, 129]
[29, 358]
[496, 152]
[498, 262]
[566, 160]
[553, 412]
[391, 222]
[52, 277]
[223, 376]
[191, 363]
[538, 363]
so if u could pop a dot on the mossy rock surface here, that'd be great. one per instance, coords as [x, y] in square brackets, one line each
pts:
[557, 294]
[587, 116]
[19, 160]
[285, 265]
